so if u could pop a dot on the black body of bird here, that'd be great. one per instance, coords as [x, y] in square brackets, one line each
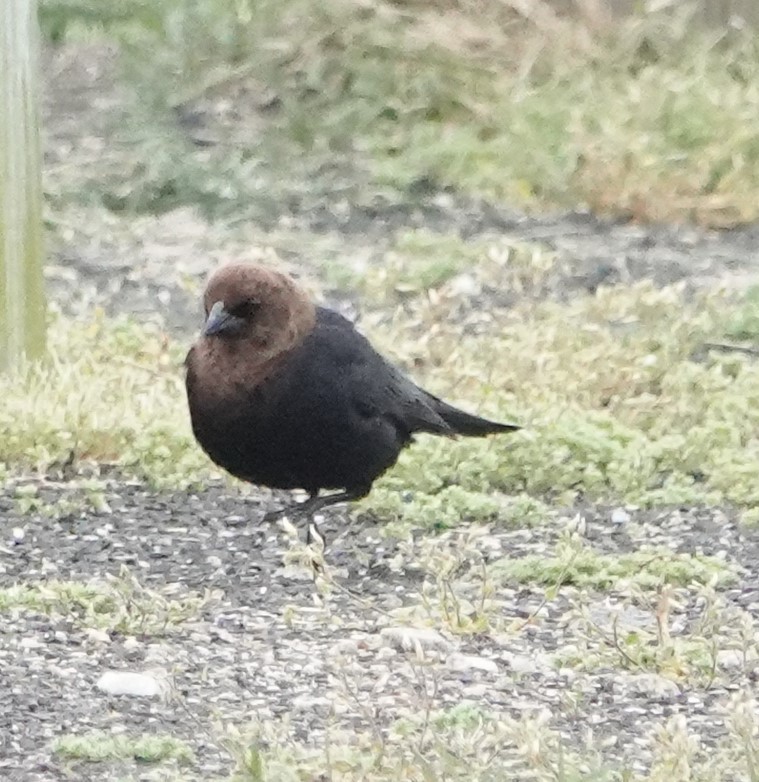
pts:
[289, 395]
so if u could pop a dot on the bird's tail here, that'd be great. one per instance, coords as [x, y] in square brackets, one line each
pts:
[468, 424]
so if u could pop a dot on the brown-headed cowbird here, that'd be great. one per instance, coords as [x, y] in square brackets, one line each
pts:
[287, 394]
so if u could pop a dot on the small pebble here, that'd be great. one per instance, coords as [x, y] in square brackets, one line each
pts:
[129, 683]
[407, 638]
[620, 516]
[466, 662]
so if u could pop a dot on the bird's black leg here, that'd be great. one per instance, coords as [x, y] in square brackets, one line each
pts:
[316, 503]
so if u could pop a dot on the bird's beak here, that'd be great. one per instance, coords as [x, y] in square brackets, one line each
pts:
[219, 320]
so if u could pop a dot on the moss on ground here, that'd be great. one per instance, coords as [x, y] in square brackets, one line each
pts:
[584, 567]
[97, 747]
[109, 392]
[121, 605]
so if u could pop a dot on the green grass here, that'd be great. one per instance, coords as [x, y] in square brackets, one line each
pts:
[649, 117]
[581, 566]
[743, 323]
[652, 639]
[420, 262]
[97, 747]
[121, 605]
[465, 742]
[619, 398]
[110, 392]
[81, 496]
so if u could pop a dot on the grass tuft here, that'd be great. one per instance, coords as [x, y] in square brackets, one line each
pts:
[581, 566]
[98, 747]
[119, 604]
[109, 392]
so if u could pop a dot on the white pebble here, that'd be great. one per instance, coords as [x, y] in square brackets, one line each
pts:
[129, 683]
[408, 638]
[466, 662]
[619, 516]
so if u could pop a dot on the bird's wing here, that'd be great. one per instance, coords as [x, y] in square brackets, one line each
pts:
[370, 384]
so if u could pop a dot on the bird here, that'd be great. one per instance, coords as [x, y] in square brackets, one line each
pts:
[287, 394]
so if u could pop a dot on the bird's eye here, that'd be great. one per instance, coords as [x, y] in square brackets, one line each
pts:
[245, 309]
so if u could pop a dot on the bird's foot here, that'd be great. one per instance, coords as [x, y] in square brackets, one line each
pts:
[316, 503]
[311, 506]
[295, 509]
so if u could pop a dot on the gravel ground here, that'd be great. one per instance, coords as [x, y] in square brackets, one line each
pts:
[269, 642]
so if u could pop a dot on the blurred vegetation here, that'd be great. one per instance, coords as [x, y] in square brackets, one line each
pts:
[239, 102]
